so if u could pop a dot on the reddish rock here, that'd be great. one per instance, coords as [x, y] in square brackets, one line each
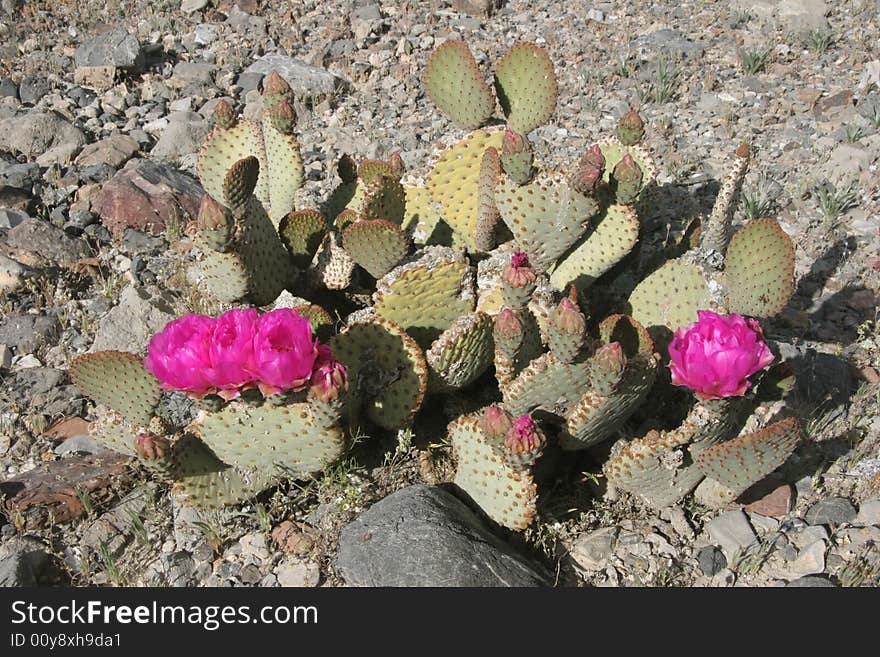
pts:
[776, 504]
[145, 195]
[54, 492]
[291, 539]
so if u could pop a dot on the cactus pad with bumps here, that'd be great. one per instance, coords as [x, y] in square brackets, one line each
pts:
[320, 320]
[670, 296]
[487, 212]
[265, 258]
[526, 85]
[333, 267]
[545, 216]
[387, 373]
[223, 148]
[119, 380]
[110, 430]
[546, 384]
[462, 352]
[281, 439]
[421, 218]
[759, 269]
[614, 151]
[630, 334]
[455, 84]
[240, 182]
[506, 496]
[426, 294]
[285, 174]
[615, 234]
[301, 232]
[224, 276]
[375, 245]
[454, 182]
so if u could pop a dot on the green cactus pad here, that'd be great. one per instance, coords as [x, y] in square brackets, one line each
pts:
[265, 259]
[426, 294]
[214, 226]
[526, 85]
[595, 418]
[759, 269]
[545, 216]
[670, 296]
[384, 199]
[547, 384]
[375, 245]
[333, 267]
[282, 439]
[462, 352]
[422, 220]
[455, 84]
[614, 236]
[240, 182]
[487, 212]
[387, 373]
[285, 171]
[506, 496]
[454, 183]
[319, 319]
[224, 276]
[110, 430]
[613, 150]
[222, 149]
[630, 334]
[119, 380]
[203, 480]
[301, 232]
[744, 461]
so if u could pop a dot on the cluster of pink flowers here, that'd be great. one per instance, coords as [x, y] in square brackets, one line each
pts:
[240, 349]
[715, 355]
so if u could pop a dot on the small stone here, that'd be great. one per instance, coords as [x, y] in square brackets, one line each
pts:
[592, 550]
[831, 511]
[116, 48]
[45, 136]
[306, 82]
[254, 545]
[8, 88]
[205, 34]
[114, 151]
[810, 581]
[38, 243]
[869, 514]
[28, 361]
[81, 444]
[808, 535]
[99, 78]
[291, 539]
[810, 560]
[24, 565]
[12, 273]
[27, 333]
[5, 357]
[763, 524]
[129, 326]
[192, 6]
[732, 531]
[776, 504]
[182, 137]
[711, 560]
[250, 574]
[298, 574]
[10, 217]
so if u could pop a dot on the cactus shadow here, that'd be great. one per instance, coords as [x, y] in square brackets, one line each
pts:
[839, 317]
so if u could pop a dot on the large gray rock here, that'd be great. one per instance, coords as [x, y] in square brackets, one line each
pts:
[182, 137]
[42, 135]
[306, 82]
[115, 151]
[22, 563]
[792, 15]
[129, 326]
[115, 48]
[27, 332]
[732, 532]
[424, 536]
[38, 243]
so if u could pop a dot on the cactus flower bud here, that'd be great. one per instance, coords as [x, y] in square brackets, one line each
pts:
[519, 273]
[508, 324]
[513, 142]
[329, 377]
[524, 436]
[588, 173]
[610, 359]
[275, 85]
[282, 116]
[715, 355]
[631, 128]
[224, 115]
[151, 447]
[627, 171]
[568, 318]
[397, 166]
[212, 215]
[496, 422]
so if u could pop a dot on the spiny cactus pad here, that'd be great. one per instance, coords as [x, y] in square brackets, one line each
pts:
[759, 269]
[280, 439]
[488, 215]
[301, 232]
[526, 85]
[614, 151]
[333, 267]
[375, 245]
[615, 234]
[454, 182]
[462, 352]
[426, 294]
[110, 430]
[455, 84]
[119, 380]
[222, 149]
[285, 174]
[421, 218]
[546, 384]
[266, 260]
[739, 463]
[240, 181]
[506, 496]
[319, 320]
[545, 216]
[224, 276]
[670, 296]
[387, 372]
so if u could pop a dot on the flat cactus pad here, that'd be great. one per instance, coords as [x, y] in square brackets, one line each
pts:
[119, 380]
[526, 85]
[759, 269]
[670, 296]
[455, 84]
[462, 352]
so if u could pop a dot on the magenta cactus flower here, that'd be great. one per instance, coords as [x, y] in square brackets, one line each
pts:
[179, 356]
[717, 354]
[232, 352]
[519, 273]
[284, 351]
[524, 435]
[329, 378]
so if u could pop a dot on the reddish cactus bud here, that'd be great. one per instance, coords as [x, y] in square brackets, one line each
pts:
[627, 171]
[631, 128]
[224, 115]
[610, 359]
[282, 116]
[519, 273]
[397, 166]
[568, 318]
[588, 173]
[524, 436]
[496, 422]
[508, 324]
[275, 85]
[151, 447]
[212, 215]
[743, 150]
[513, 142]
[329, 379]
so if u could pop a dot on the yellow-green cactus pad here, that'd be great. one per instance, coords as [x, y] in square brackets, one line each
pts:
[375, 245]
[462, 352]
[387, 372]
[670, 296]
[302, 232]
[119, 380]
[546, 216]
[547, 384]
[110, 430]
[223, 276]
[614, 150]
[454, 183]
[506, 496]
[223, 148]
[526, 85]
[455, 84]
[286, 173]
[614, 236]
[426, 294]
[421, 218]
[759, 269]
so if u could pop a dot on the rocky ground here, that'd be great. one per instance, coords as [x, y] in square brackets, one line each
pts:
[103, 106]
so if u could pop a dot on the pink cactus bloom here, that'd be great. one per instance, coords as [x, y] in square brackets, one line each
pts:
[284, 351]
[519, 259]
[328, 377]
[715, 355]
[524, 434]
[179, 356]
[232, 352]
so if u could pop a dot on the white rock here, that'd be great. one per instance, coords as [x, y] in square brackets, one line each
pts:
[298, 574]
[869, 514]
[810, 560]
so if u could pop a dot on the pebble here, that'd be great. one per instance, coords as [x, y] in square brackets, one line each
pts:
[869, 514]
[80, 444]
[592, 551]
[811, 581]
[732, 532]
[810, 560]
[298, 574]
[115, 48]
[831, 511]
[711, 560]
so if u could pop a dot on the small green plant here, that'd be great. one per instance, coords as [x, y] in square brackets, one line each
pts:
[860, 571]
[869, 108]
[759, 200]
[854, 133]
[749, 561]
[834, 202]
[662, 82]
[738, 18]
[753, 60]
[110, 564]
[213, 534]
[626, 66]
[137, 528]
[85, 499]
[819, 40]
